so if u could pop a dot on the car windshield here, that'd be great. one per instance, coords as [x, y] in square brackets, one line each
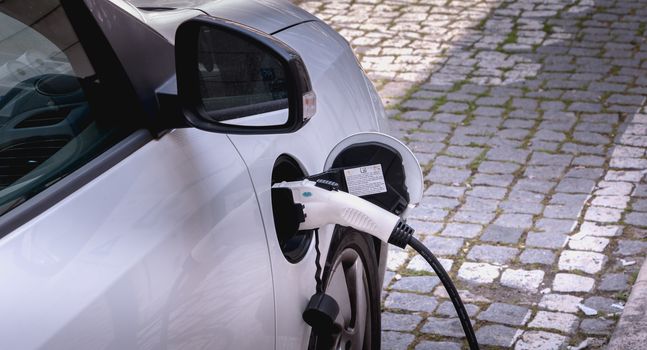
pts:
[47, 125]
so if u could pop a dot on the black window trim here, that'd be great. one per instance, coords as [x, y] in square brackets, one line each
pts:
[72, 182]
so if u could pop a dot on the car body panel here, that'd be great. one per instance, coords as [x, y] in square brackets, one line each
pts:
[344, 107]
[164, 250]
[268, 16]
[175, 246]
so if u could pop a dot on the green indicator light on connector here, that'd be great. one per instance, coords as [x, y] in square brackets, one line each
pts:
[307, 194]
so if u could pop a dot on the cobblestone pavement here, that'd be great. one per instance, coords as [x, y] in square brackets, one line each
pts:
[529, 120]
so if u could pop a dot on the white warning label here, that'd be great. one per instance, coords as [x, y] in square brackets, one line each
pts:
[365, 180]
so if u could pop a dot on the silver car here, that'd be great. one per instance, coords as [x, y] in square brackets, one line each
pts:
[138, 147]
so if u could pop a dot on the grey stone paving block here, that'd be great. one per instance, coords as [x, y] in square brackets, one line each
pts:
[497, 335]
[488, 192]
[546, 240]
[618, 202]
[419, 104]
[453, 161]
[560, 302]
[640, 205]
[447, 175]
[575, 260]
[426, 147]
[417, 263]
[399, 322]
[439, 202]
[549, 135]
[543, 146]
[513, 134]
[518, 123]
[437, 127]
[430, 214]
[534, 185]
[450, 327]
[559, 321]
[416, 115]
[448, 118]
[388, 276]
[436, 345]
[596, 326]
[626, 99]
[396, 340]
[443, 245]
[596, 244]
[614, 282]
[513, 207]
[428, 137]
[506, 313]
[525, 196]
[568, 282]
[465, 152]
[489, 111]
[569, 199]
[570, 185]
[603, 214]
[445, 191]
[624, 175]
[476, 217]
[541, 158]
[507, 154]
[410, 302]
[636, 219]
[498, 167]
[492, 101]
[640, 191]
[420, 284]
[493, 180]
[555, 225]
[602, 304]
[526, 280]
[501, 234]
[446, 308]
[544, 172]
[552, 105]
[585, 107]
[591, 138]
[453, 107]
[522, 221]
[563, 211]
[480, 204]
[478, 272]
[462, 230]
[539, 340]
[612, 188]
[537, 256]
[425, 227]
[492, 254]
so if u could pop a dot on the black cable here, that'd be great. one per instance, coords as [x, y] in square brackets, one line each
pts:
[451, 290]
[319, 285]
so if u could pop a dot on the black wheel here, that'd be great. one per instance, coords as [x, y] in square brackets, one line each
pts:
[351, 277]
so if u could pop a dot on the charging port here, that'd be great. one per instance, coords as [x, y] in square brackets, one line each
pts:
[293, 245]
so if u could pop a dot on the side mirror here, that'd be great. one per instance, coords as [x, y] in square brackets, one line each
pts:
[234, 79]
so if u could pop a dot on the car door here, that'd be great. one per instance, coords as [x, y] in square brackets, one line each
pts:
[125, 241]
[344, 107]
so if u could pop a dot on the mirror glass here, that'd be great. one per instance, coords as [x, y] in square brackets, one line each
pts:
[241, 82]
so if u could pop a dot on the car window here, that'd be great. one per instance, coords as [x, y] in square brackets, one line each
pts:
[49, 125]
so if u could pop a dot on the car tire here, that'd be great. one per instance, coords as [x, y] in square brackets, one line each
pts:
[351, 277]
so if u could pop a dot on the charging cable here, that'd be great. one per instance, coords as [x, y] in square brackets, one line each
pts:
[320, 203]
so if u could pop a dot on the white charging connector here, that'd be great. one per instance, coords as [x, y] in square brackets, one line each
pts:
[323, 204]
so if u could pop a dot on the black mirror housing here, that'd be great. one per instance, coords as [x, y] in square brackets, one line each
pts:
[226, 70]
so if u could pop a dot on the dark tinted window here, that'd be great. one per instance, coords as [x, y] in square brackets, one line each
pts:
[48, 126]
